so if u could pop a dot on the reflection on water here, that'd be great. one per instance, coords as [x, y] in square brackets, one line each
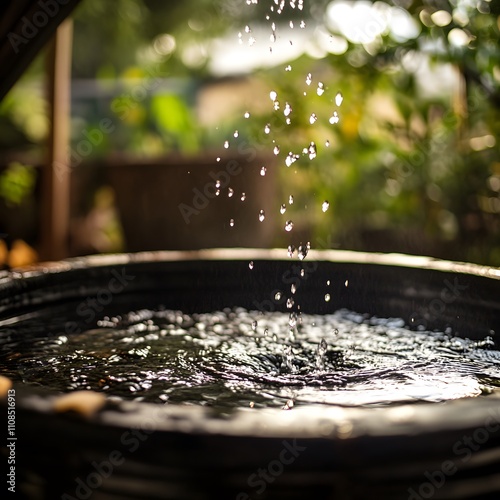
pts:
[236, 358]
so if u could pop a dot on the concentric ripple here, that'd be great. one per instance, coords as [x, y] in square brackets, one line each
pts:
[238, 358]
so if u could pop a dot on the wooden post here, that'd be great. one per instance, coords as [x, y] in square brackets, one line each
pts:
[56, 175]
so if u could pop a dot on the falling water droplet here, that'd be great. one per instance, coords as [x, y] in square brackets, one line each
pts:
[327, 282]
[267, 128]
[320, 354]
[217, 183]
[302, 273]
[276, 105]
[243, 197]
[277, 296]
[251, 41]
[250, 265]
[288, 225]
[339, 98]
[291, 158]
[276, 150]
[313, 118]
[217, 192]
[293, 288]
[291, 24]
[282, 209]
[321, 89]
[231, 222]
[312, 151]
[226, 144]
[288, 68]
[287, 110]
[325, 206]
[290, 199]
[235, 133]
[254, 325]
[217, 159]
[272, 38]
[263, 171]
[346, 283]
[262, 215]
[327, 297]
[327, 144]
[288, 121]
[291, 250]
[273, 95]
[247, 29]
[303, 251]
[230, 192]
[334, 118]
[247, 115]
[308, 78]
[289, 303]
[302, 24]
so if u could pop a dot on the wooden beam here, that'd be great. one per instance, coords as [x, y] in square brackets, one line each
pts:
[56, 172]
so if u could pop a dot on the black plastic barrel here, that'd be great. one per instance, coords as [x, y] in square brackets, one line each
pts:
[132, 450]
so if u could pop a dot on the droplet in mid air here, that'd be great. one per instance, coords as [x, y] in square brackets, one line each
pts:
[327, 297]
[226, 144]
[291, 250]
[250, 265]
[287, 110]
[312, 151]
[243, 197]
[321, 88]
[276, 150]
[339, 98]
[289, 303]
[247, 115]
[254, 325]
[267, 128]
[282, 209]
[308, 79]
[263, 171]
[302, 24]
[325, 206]
[236, 133]
[288, 68]
[290, 199]
[231, 222]
[288, 225]
[277, 296]
[273, 95]
[334, 118]
[303, 251]
[230, 192]
[313, 118]
[262, 215]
